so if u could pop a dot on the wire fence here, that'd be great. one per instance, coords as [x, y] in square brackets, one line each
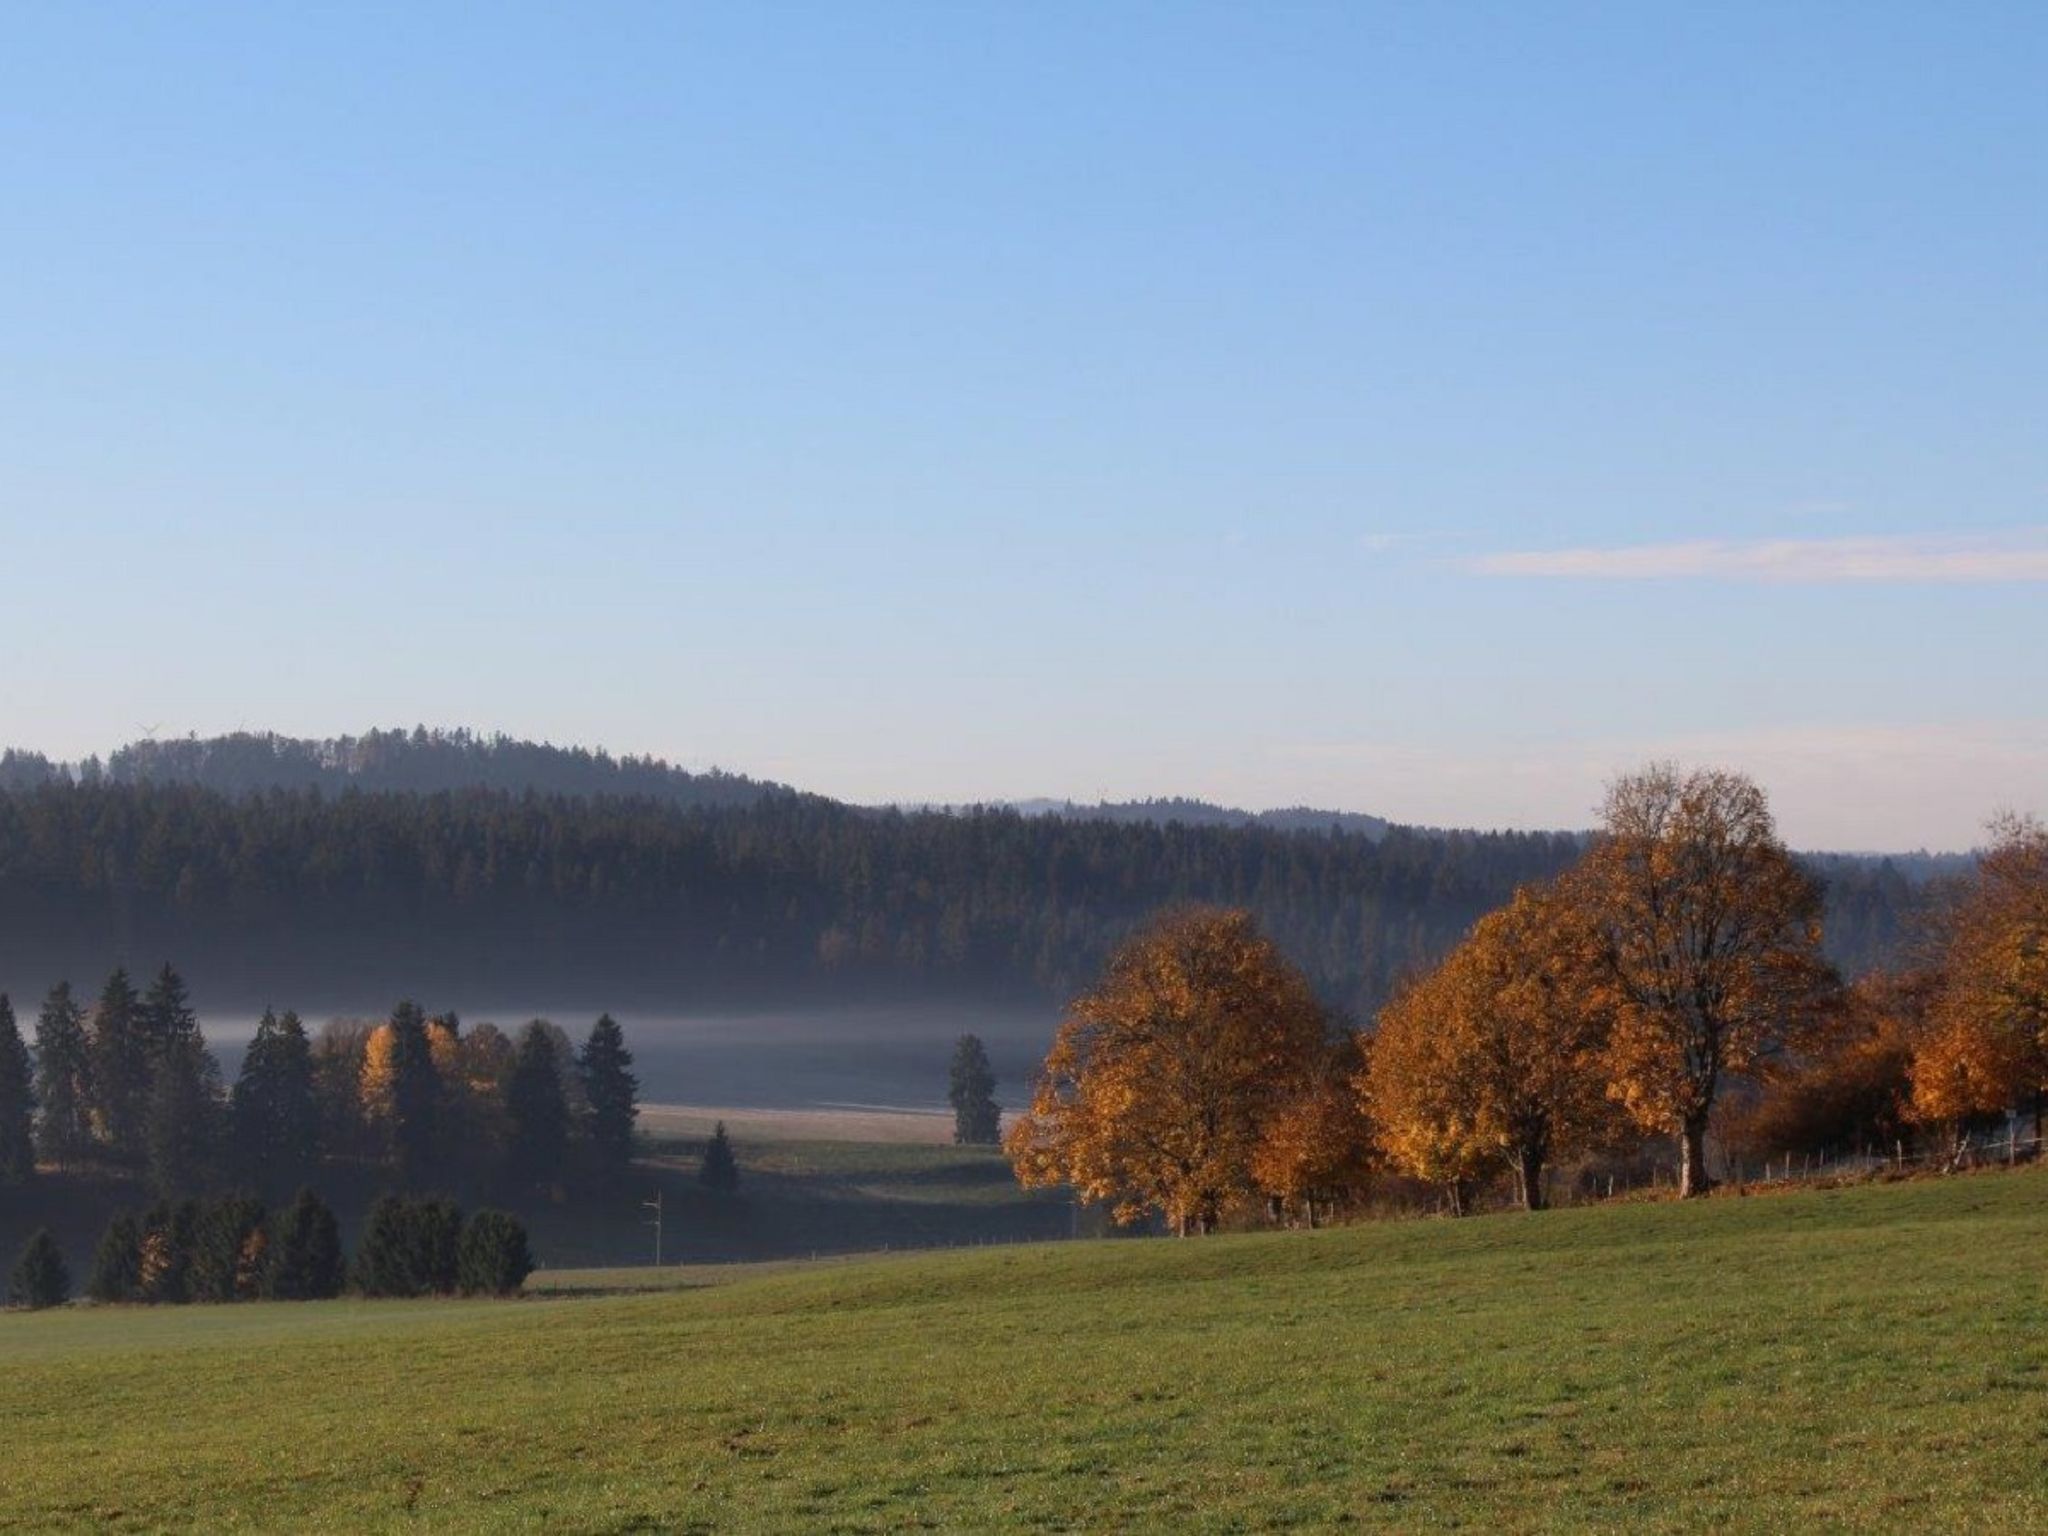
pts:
[2008, 1148]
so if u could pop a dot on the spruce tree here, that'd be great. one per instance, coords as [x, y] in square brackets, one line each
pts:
[117, 1262]
[164, 1257]
[181, 1130]
[167, 1020]
[409, 1248]
[273, 1113]
[495, 1256]
[612, 1093]
[538, 1109]
[120, 1068]
[17, 1102]
[411, 1094]
[306, 1261]
[63, 1080]
[228, 1250]
[40, 1278]
[977, 1122]
[720, 1171]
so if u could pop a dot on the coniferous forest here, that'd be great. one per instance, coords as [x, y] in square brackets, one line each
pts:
[669, 897]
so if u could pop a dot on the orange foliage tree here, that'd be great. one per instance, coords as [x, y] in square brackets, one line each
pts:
[1316, 1152]
[1495, 1058]
[1163, 1081]
[1708, 954]
[1987, 1050]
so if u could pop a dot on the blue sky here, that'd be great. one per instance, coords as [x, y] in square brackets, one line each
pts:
[1421, 409]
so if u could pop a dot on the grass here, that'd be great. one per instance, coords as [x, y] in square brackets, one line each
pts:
[1872, 1358]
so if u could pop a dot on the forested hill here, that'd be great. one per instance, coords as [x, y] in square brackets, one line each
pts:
[1201, 813]
[417, 761]
[314, 899]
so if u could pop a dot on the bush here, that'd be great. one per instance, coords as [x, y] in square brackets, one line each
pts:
[305, 1252]
[409, 1248]
[117, 1262]
[228, 1251]
[40, 1278]
[495, 1256]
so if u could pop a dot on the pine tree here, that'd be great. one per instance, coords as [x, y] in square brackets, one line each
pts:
[63, 1080]
[612, 1092]
[977, 1121]
[720, 1172]
[117, 1262]
[120, 1069]
[181, 1132]
[40, 1278]
[17, 1102]
[306, 1261]
[495, 1256]
[538, 1109]
[275, 1119]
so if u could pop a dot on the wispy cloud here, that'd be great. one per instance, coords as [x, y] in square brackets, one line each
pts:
[2016, 556]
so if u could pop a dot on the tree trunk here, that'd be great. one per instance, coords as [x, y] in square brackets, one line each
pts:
[1692, 1158]
[1529, 1180]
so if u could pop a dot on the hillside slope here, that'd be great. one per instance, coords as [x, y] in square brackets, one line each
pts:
[1874, 1358]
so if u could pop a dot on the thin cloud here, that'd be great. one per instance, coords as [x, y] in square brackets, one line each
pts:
[2019, 556]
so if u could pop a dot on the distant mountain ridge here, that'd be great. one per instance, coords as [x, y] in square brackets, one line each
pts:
[1164, 810]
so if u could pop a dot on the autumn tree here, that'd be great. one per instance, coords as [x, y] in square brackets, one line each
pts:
[977, 1121]
[1315, 1154]
[1987, 1050]
[1852, 1084]
[63, 1081]
[1163, 1079]
[17, 1102]
[1515, 1033]
[1707, 946]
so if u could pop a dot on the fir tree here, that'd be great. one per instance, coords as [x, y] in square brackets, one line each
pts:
[117, 1262]
[538, 1109]
[121, 1068]
[167, 1020]
[977, 1122]
[40, 1278]
[274, 1116]
[17, 1102]
[405, 1087]
[495, 1256]
[181, 1131]
[306, 1261]
[63, 1080]
[720, 1171]
[612, 1093]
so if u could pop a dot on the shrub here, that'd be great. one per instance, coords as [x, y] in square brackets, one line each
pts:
[409, 1248]
[40, 1278]
[305, 1252]
[495, 1257]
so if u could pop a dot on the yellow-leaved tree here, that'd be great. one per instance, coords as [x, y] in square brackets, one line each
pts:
[1708, 946]
[1495, 1058]
[1163, 1080]
[1315, 1155]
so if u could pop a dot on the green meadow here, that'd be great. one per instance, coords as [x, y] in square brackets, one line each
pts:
[1873, 1358]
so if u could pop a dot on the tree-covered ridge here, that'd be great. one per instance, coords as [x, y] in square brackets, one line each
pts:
[419, 761]
[308, 894]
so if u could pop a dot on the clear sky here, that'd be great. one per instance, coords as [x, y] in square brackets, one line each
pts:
[1424, 409]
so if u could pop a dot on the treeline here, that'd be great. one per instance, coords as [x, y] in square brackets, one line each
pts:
[307, 892]
[129, 1085]
[232, 1249]
[1671, 983]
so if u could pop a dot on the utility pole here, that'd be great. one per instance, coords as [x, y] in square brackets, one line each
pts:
[654, 1205]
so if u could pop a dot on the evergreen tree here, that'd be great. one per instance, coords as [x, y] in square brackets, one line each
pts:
[403, 1089]
[275, 1120]
[229, 1244]
[117, 1262]
[612, 1093]
[495, 1256]
[63, 1080]
[167, 1020]
[720, 1172]
[306, 1261]
[120, 1069]
[17, 1102]
[409, 1248]
[977, 1122]
[40, 1278]
[181, 1131]
[538, 1109]
[164, 1260]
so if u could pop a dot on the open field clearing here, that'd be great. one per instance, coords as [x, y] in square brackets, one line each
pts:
[915, 1127]
[1871, 1358]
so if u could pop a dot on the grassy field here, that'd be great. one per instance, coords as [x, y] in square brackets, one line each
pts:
[1872, 1358]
